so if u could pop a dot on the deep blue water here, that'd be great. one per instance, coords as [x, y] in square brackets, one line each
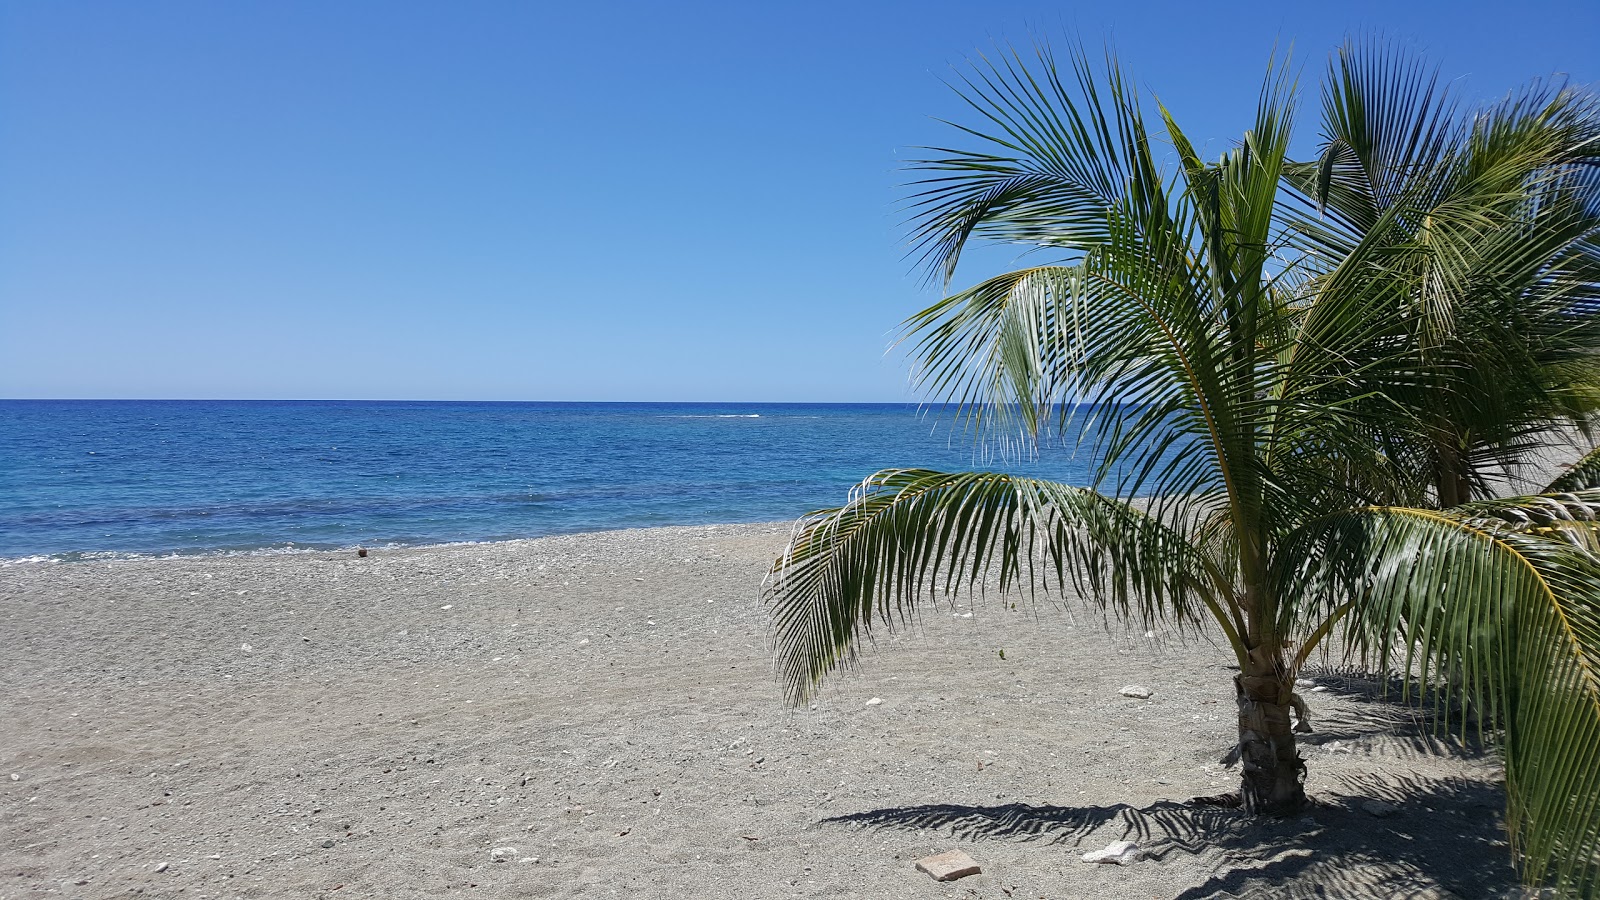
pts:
[81, 477]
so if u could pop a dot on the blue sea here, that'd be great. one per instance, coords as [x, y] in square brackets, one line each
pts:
[91, 478]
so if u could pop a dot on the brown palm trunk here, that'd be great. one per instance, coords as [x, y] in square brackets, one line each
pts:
[1454, 486]
[1273, 777]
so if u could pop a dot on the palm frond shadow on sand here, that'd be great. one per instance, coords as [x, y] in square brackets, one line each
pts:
[1410, 721]
[1447, 834]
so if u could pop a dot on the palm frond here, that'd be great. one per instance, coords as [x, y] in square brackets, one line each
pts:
[909, 536]
[1582, 475]
[1502, 599]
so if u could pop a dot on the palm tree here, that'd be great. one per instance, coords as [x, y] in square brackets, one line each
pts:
[1266, 433]
[1504, 297]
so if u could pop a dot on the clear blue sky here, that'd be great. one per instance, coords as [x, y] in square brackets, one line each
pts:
[541, 201]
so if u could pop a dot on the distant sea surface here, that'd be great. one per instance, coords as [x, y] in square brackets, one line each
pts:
[93, 478]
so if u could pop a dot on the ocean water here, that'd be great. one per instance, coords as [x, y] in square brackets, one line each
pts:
[87, 478]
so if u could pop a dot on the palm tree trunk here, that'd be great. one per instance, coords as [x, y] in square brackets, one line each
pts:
[1273, 778]
[1454, 486]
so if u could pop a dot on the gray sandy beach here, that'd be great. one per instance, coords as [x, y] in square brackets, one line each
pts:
[597, 715]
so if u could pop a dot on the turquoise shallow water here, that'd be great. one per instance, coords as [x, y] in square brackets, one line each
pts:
[91, 477]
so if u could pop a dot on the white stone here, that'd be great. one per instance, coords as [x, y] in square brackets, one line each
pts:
[875, 701]
[162, 867]
[1120, 853]
[528, 859]
[1137, 692]
[501, 854]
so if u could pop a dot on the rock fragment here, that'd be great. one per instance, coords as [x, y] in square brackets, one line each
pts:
[502, 854]
[1122, 853]
[875, 701]
[1137, 692]
[949, 865]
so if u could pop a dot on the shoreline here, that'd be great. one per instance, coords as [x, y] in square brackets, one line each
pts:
[91, 556]
[604, 704]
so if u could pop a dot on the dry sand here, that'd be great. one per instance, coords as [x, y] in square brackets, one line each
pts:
[320, 725]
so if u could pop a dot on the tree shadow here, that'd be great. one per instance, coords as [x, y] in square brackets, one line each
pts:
[1439, 835]
[1410, 719]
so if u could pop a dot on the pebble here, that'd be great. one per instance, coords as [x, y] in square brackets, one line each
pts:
[15, 777]
[1122, 853]
[1137, 692]
[327, 845]
[501, 854]
[162, 867]
[529, 859]
[875, 701]
[1320, 689]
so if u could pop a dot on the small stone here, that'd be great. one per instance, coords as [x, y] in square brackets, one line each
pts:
[528, 859]
[361, 552]
[162, 867]
[1122, 853]
[246, 647]
[949, 866]
[327, 845]
[875, 701]
[15, 777]
[1320, 689]
[501, 854]
[1137, 692]
[1381, 809]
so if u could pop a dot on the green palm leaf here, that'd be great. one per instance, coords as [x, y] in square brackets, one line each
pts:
[1582, 475]
[908, 536]
[1503, 600]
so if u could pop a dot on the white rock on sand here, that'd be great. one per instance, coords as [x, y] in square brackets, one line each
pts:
[654, 762]
[1122, 853]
